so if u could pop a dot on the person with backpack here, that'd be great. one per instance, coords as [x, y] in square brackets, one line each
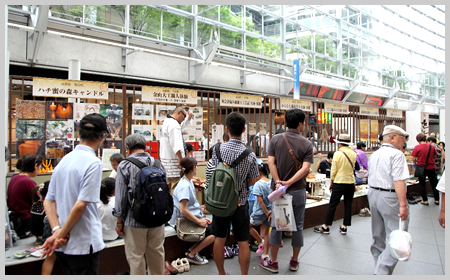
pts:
[290, 157]
[71, 203]
[144, 241]
[234, 170]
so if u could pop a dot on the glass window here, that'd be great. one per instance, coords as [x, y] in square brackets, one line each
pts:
[388, 81]
[231, 15]
[441, 94]
[355, 55]
[177, 29]
[186, 8]
[204, 32]
[209, 11]
[69, 12]
[370, 76]
[230, 38]
[305, 41]
[440, 55]
[325, 46]
[272, 50]
[253, 21]
[320, 63]
[417, 74]
[253, 45]
[150, 16]
[272, 27]
[406, 71]
[276, 9]
[370, 60]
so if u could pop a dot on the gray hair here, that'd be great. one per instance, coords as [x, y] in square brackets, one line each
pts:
[135, 141]
[117, 158]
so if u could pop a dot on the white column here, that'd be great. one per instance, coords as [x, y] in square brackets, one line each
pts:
[413, 126]
[442, 125]
[74, 74]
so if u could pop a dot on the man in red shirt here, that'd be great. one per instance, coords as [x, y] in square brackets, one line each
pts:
[420, 153]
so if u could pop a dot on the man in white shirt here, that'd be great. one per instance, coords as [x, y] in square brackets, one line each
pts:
[441, 187]
[388, 172]
[172, 149]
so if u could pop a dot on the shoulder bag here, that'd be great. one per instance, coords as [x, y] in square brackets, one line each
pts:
[189, 231]
[298, 164]
[420, 169]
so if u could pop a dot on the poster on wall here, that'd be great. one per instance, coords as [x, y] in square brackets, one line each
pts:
[60, 129]
[425, 122]
[69, 88]
[252, 129]
[114, 129]
[30, 129]
[262, 128]
[217, 134]
[30, 109]
[145, 130]
[142, 111]
[83, 109]
[279, 118]
[111, 144]
[57, 110]
[364, 130]
[58, 148]
[158, 132]
[112, 112]
[162, 111]
[199, 155]
[373, 130]
[106, 155]
[193, 132]
[312, 120]
[245, 135]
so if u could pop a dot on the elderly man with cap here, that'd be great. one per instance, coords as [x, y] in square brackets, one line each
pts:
[71, 203]
[342, 183]
[388, 171]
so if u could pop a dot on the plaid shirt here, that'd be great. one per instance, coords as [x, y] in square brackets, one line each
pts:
[247, 169]
[438, 158]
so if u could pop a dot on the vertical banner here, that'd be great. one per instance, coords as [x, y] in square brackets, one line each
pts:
[364, 130]
[373, 130]
[296, 79]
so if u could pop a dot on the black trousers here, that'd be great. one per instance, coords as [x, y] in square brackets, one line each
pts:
[79, 264]
[431, 174]
[339, 190]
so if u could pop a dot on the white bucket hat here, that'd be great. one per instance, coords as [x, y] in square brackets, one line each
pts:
[343, 139]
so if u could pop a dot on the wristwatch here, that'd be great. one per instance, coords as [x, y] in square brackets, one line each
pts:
[55, 228]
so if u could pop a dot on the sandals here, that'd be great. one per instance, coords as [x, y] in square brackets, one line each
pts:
[424, 203]
[436, 202]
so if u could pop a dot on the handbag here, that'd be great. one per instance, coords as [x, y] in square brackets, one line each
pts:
[189, 231]
[400, 242]
[283, 214]
[420, 169]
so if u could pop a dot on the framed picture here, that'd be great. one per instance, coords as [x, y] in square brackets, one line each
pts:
[57, 110]
[60, 129]
[30, 109]
[30, 129]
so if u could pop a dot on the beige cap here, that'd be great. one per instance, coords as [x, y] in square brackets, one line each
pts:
[393, 129]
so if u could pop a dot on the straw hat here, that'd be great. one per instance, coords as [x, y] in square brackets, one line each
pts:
[343, 139]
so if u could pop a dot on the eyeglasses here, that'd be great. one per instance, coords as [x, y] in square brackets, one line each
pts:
[184, 114]
[404, 137]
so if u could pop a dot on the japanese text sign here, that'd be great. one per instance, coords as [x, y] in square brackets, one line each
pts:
[169, 95]
[69, 89]
[240, 100]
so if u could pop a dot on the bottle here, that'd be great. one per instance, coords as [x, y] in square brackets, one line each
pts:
[277, 193]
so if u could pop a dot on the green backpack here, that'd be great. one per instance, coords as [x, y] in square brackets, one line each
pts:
[222, 194]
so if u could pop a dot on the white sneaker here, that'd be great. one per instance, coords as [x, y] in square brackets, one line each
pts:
[263, 257]
[185, 264]
[178, 265]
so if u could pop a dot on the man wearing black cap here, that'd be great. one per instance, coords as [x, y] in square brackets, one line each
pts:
[71, 203]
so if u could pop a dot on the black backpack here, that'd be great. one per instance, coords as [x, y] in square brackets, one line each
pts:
[151, 202]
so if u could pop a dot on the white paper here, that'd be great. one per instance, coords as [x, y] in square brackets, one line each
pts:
[142, 111]
[162, 111]
[107, 153]
[199, 155]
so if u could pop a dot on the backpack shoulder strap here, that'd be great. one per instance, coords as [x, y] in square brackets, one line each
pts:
[348, 160]
[243, 155]
[136, 162]
[156, 163]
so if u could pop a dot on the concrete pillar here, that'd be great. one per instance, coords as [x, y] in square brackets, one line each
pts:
[74, 74]
[442, 125]
[413, 126]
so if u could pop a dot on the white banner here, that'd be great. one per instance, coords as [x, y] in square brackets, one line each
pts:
[240, 100]
[69, 89]
[287, 104]
[391, 113]
[169, 95]
[336, 108]
[369, 111]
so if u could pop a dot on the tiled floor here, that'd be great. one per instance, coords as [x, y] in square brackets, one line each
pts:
[337, 254]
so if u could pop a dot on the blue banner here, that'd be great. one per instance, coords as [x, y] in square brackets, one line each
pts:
[296, 79]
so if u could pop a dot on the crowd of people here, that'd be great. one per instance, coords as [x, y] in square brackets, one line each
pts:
[76, 212]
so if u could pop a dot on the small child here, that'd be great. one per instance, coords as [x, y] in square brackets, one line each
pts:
[262, 209]
[38, 213]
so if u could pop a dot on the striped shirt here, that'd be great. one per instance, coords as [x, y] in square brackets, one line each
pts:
[386, 166]
[128, 172]
[247, 169]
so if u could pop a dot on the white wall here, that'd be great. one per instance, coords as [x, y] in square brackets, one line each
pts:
[413, 126]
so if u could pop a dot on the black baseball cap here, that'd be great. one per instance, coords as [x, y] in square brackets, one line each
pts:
[94, 121]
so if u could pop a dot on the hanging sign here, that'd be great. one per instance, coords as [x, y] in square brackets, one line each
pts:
[369, 111]
[287, 104]
[169, 95]
[391, 113]
[296, 79]
[240, 100]
[336, 108]
[69, 88]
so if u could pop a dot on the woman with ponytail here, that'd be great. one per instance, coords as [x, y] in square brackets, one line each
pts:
[186, 205]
